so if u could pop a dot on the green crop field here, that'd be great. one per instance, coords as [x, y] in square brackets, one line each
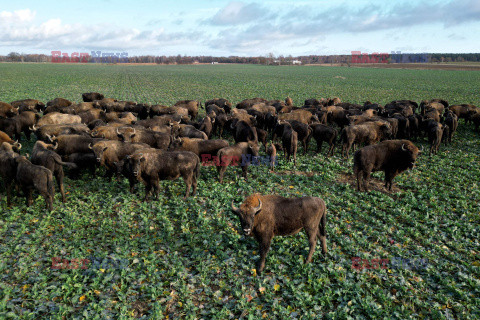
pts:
[186, 259]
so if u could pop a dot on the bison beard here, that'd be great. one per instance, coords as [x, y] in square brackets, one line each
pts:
[390, 156]
[266, 216]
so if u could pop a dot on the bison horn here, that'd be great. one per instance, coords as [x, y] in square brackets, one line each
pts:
[90, 146]
[134, 131]
[19, 146]
[403, 147]
[118, 131]
[55, 146]
[257, 209]
[49, 137]
[34, 129]
[234, 209]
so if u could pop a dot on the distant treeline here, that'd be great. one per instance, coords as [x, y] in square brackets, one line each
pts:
[265, 60]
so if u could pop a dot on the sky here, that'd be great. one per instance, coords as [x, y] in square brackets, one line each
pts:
[240, 28]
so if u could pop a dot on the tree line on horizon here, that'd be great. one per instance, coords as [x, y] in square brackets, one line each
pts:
[270, 59]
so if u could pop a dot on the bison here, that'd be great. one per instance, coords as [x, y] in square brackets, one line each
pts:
[390, 156]
[325, 133]
[8, 168]
[30, 177]
[44, 155]
[239, 154]
[92, 96]
[150, 167]
[266, 216]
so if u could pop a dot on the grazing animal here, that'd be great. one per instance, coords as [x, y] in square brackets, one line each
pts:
[30, 177]
[289, 143]
[44, 155]
[152, 166]
[390, 156]
[8, 168]
[239, 154]
[325, 133]
[266, 216]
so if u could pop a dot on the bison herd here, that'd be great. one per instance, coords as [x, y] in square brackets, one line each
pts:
[148, 143]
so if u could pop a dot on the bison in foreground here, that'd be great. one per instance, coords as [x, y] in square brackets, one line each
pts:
[266, 216]
[390, 156]
[30, 176]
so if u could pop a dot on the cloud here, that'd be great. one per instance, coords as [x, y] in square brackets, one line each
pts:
[236, 13]
[19, 30]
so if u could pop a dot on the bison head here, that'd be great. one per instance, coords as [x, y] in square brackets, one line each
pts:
[411, 153]
[247, 212]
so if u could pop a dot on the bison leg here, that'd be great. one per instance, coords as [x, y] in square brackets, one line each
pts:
[322, 234]
[148, 188]
[366, 178]
[59, 178]
[388, 180]
[188, 183]
[312, 240]
[319, 146]
[330, 152]
[244, 172]
[9, 186]
[359, 175]
[221, 170]
[304, 142]
[264, 246]
[28, 196]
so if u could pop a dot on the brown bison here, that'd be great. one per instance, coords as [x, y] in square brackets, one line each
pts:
[91, 96]
[151, 167]
[239, 154]
[7, 110]
[8, 168]
[44, 155]
[30, 177]
[6, 138]
[266, 216]
[368, 133]
[390, 156]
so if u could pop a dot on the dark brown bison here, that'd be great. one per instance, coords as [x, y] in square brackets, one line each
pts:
[30, 177]
[325, 133]
[220, 102]
[92, 96]
[390, 156]
[304, 132]
[290, 143]
[28, 105]
[25, 121]
[8, 168]
[151, 167]
[267, 216]
[44, 155]
[450, 120]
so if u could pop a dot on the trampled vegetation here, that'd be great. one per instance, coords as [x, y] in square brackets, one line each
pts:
[187, 259]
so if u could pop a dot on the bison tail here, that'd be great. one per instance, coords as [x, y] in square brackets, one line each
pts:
[71, 165]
